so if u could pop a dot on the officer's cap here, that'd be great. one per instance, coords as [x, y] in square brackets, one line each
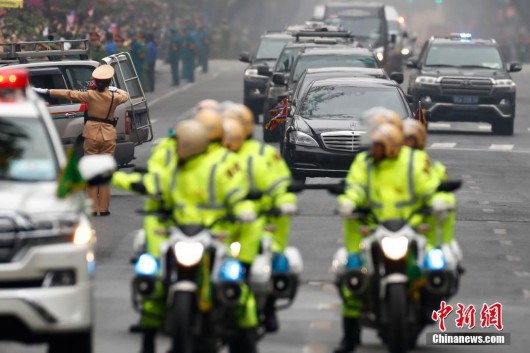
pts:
[103, 72]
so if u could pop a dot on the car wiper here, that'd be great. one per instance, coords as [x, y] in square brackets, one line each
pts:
[440, 65]
[477, 67]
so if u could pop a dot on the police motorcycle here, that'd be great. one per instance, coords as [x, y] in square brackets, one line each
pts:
[401, 283]
[202, 281]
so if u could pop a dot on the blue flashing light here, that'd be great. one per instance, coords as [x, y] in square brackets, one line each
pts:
[435, 260]
[232, 270]
[146, 265]
[280, 263]
[354, 261]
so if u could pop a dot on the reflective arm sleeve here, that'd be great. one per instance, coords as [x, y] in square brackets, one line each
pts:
[356, 189]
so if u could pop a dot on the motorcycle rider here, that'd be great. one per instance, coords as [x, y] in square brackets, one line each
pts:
[394, 181]
[274, 180]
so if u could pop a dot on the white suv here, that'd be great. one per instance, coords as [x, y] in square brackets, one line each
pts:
[46, 243]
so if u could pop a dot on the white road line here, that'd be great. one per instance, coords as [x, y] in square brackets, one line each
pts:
[500, 231]
[526, 293]
[501, 147]
[315, 348]
[170, 93]
[154, 121]
[484, 127]
[440, 125]
[522, 274]
[443, 145]
[512, 258]
[488, 210]
[327, 306]
[506, 242]
[463, 149]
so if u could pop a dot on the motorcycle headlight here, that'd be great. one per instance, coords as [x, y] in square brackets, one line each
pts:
[302, 139]
[435, 260]
[188, 253]
[146, 265]
[426, 80]
[235, 249]
[395, 248]
[232, 270]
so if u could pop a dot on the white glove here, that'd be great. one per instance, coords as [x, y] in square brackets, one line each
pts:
[113, 89]
[41, 90]
[288, 209]
[440, 209]
[346, 208]
[247, 216]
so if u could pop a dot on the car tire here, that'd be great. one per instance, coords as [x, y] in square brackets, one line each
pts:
[504, 127]
[79, 342]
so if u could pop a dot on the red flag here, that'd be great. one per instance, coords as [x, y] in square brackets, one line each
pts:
[281, 115]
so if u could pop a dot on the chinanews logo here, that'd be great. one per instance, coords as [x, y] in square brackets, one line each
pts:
[490, 317]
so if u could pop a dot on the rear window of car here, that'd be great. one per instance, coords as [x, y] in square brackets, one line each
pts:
[79, 77]
[26, 151]
[317, 61]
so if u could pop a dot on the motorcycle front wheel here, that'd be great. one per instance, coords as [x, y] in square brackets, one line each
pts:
[397, 306]
[182, 315]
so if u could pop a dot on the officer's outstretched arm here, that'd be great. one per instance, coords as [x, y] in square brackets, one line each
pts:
[356, 188]
[71, 95]
[142, 183]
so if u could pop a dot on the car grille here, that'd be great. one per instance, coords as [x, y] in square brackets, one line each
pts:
[466, 86]
[346, 141]
[8, 238]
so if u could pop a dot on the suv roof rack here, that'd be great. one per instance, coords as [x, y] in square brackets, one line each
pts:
[54, 50]
[324, 34]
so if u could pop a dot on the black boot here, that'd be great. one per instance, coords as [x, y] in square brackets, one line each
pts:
[246, 341]
[271, 320]
[351, 335]
[148, 341]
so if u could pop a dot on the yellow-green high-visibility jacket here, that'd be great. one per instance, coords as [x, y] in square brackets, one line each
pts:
[392, 188]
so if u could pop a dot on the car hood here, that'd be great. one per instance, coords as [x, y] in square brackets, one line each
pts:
[317, 126]
[36, 198]
[466, 72]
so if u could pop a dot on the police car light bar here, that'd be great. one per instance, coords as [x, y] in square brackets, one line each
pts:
[13, 79]
[463, 36]
[328, 34]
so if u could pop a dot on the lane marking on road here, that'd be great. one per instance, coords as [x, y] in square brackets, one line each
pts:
[512, 258]
[315, 348]
[526, 293]
[506, 242]
[484, 127]
[154, 121]
[522, 274]
[170, 93]
[328, 306]
[440, 125]
[488, 210]
[321, 325]
[494, 222]
[464, 149]
[440, 145]
[501, 147]
[500, 231]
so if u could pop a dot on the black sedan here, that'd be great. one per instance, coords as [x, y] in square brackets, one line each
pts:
[327, 128]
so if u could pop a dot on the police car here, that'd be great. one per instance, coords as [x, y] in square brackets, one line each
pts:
[46, 243]
[459, 78]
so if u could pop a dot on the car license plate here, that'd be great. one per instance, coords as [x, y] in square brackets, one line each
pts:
[465, 99]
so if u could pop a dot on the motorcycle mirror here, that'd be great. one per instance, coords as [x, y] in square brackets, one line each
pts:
[449, 186]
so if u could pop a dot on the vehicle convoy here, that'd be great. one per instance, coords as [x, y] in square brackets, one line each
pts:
[326, 129]
[47, 243]
[461, 79]
[51, 66]
[394, 304]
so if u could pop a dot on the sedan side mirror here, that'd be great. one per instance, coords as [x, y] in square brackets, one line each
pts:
[278, 79]
[244, 57]
[97, 169]
[264, 70]
[397, 76]
[515, 67]
[413, 63]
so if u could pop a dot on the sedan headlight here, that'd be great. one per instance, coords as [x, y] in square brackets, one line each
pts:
[379, 53]
[84, 233]
[504, 83]
[252, 73]
[302, 139]
[188, 253]
[395, 248]
[426, 80]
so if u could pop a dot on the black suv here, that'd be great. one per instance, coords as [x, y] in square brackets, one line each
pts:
[268, 51]
[459, 78]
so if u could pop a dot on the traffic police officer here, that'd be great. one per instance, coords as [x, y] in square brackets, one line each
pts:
[189, 48]
[175, 48]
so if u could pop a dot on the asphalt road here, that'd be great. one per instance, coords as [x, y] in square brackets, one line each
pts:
[492, 228]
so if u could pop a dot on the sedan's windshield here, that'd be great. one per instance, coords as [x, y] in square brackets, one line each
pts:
[464, 55]
[347, 101]
[270, 49]
[26, 153]
[316, 61]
